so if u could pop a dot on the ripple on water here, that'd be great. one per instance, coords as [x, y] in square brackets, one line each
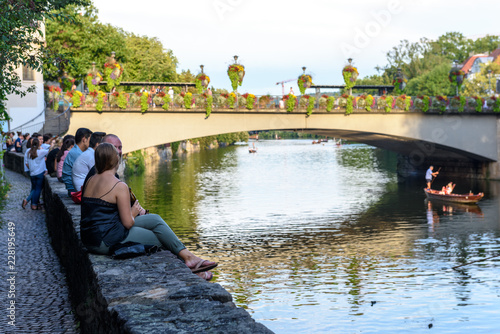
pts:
[324, 240]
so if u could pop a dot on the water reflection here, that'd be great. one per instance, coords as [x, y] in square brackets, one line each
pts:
[323, 239]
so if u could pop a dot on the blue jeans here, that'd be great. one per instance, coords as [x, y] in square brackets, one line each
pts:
[36, 188]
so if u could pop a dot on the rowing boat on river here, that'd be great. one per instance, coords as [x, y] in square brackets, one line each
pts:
[458, 198]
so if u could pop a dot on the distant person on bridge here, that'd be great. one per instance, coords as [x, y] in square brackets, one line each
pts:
[82, 139]
[109, 219]
[429, 175]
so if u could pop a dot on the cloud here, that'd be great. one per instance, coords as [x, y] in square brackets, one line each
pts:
[274, 39]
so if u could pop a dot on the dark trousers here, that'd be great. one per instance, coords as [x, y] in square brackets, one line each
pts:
[36, 188]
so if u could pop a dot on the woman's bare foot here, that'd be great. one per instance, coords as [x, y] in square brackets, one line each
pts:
[195, 263]
[206, 275]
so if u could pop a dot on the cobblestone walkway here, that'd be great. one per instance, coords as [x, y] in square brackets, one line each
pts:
[41, 299]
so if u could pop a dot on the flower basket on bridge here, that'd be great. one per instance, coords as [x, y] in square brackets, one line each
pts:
[399, 84]
[423, 102]
[330, 103]
[322, 101]
[440, 102]
[100, 98]
[304, 81]
[236, 73]
[250, 100]
[458, 102]
[202, 80]
[92, 80]
[342, 100]
[456, 77]
[493, 103]
[54, 93]
[290, 102]
[76, 98]
[386, 102]
[365, 102]
[350, 74]
[112, 72]
[144, 101]
[135, 99]
[231, 100]
[166, 102]
[264, 101]
[221, 100]
[404, 102]
[118, 99]
[158, 99]
[188, 100]
[66, 82]
[476, 102]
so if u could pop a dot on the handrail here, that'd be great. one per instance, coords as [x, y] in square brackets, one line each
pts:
[41, 124]
[278, 102]
[31, 120]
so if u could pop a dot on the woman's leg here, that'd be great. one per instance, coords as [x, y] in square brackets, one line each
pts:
[38, 189]
[152, 230]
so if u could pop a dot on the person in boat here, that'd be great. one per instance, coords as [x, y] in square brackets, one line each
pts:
[429, 175]
[449, 188]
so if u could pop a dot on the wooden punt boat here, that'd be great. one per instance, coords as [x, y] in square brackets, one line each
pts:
[457, 198]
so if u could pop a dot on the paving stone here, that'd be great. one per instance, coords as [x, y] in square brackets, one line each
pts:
[42, 295]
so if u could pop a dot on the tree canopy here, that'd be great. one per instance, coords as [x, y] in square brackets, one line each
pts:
[86, 40]
[22, 42]
[426, 63]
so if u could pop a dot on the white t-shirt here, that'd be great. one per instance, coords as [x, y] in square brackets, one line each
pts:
[81, 167]
[37, 166]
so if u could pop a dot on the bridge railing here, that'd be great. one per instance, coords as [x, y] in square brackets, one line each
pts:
[304, 103]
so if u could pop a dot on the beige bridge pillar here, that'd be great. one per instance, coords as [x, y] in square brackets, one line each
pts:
[420, 137]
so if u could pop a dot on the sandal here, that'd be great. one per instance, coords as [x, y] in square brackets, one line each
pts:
[25, 202]
[199, 267]
[206, 275]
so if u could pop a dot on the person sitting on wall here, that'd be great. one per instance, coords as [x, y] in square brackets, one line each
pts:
[109, 219]
[82, 139]
[85, 161]
[68, 143]
[50, 162]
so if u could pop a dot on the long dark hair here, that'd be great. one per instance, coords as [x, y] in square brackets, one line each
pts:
[66, 144]
[35, 145]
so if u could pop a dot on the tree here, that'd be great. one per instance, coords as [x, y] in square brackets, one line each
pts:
[22, 40]
[149, 60]
[484, 82]
[433, 83]
[76, 44]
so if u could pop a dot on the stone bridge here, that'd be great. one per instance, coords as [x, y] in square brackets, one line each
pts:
[468, 143]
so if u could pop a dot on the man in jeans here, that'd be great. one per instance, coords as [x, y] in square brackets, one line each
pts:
[82, 139]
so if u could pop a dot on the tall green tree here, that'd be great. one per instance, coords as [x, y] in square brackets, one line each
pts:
[434, 82]
[149, 60]
[22, 43]
[78, 43]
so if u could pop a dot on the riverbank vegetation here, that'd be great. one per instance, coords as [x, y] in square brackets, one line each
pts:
[427, 63]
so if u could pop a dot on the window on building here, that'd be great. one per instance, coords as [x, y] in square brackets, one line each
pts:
[28, 73]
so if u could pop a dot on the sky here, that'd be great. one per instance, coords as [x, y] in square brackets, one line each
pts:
[274, 39]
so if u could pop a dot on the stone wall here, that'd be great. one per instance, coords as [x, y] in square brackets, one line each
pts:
[148, 294]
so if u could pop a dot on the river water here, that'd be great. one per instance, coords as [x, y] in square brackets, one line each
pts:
[323, 239]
